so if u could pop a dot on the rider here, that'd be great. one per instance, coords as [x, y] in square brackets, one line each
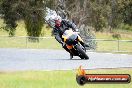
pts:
[59, 26]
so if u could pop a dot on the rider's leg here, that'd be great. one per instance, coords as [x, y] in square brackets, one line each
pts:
[58, 38]
[65, 47]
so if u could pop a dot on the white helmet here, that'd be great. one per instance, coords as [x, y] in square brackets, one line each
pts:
[51, 16]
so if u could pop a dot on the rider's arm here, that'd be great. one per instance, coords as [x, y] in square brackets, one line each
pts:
[57, 36]
[71, 25]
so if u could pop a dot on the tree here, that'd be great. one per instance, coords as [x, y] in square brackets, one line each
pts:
[31, 11]
[125, 9]
[112, 21]
[34, 18]
[8, 9]
[96, 13]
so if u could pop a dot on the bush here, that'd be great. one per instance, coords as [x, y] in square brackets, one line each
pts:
[126, 27]
[88, 37]
[116, 36]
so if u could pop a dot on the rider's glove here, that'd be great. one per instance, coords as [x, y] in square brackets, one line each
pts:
[63, 43]
[77, 30]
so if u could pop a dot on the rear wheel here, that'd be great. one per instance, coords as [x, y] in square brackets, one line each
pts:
[83, 54]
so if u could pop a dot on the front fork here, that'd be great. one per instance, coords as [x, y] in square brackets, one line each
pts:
[82, 43]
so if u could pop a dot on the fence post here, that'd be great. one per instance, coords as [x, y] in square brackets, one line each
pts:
[118, 45]
[26, 42]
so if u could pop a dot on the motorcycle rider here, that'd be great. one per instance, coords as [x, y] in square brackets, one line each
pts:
[59, 26]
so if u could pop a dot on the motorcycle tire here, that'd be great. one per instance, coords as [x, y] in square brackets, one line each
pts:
[82, 52]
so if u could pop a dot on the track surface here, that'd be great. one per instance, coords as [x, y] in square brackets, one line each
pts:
[42, 59]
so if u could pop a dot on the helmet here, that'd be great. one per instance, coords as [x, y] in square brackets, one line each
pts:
[51, 22]
[54, 21]
[58, 21]
[52, 18]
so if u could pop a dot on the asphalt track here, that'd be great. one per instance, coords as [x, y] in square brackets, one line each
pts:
[44, 59]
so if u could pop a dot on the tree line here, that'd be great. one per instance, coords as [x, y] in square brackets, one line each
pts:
[99, 14]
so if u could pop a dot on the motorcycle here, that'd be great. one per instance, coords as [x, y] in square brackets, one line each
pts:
[72, 41]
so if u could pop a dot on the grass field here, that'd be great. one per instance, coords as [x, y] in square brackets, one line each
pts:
[55, 79]
[51, 43]
[21, 42]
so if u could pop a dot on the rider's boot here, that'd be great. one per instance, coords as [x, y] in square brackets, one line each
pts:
[84, 45]
[71, 56]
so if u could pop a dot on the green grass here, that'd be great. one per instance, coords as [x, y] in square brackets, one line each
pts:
[46, 43]
[105, 35]
[113, 46]
[21, 30]
[51, 43]
[11, 42]
[20, 42]
[55, 79]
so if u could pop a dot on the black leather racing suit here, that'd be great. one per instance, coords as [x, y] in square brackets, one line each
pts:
[58, 31]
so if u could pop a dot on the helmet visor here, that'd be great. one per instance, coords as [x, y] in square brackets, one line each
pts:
[51, 23]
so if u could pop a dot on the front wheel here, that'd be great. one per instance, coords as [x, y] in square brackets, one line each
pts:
[82, 53]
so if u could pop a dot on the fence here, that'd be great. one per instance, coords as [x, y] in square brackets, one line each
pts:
[113, 45]
[51, 43]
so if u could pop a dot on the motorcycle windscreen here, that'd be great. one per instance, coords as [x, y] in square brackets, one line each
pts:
[71, 39]
[68, 33]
